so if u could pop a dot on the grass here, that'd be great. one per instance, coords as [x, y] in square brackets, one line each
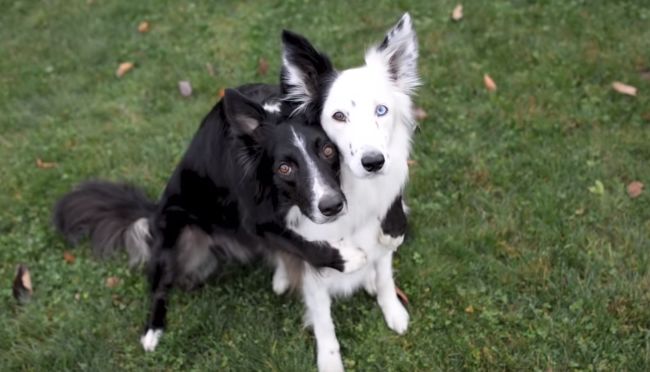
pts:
[513, 264]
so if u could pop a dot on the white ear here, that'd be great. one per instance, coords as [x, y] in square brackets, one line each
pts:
[397, 55]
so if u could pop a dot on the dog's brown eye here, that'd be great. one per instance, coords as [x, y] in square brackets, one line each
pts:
[339, 116]
[285, 169]
[328, 151]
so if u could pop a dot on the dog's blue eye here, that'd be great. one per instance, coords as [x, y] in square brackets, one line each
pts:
[381, 110]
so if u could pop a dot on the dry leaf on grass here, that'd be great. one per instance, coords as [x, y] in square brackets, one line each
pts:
[402, 296]
[263, 66]
[469, 309]
[44, 164]
[634, 189]
[22, 287]
[419, 114]
[624, 88]
[411, 162]
[490, 85]
[457, 13]
[185, 88]
[68, 257]
[222, 92]
[112, 281]
[123, 69]
[143, 27]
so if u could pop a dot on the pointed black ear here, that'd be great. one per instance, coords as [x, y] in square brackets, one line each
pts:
[243, 114]
[303, 69]
[398, 55]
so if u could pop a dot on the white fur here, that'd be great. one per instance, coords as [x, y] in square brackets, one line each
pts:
[136, 244]
[356, 93]
[272, 107]
[150, 339]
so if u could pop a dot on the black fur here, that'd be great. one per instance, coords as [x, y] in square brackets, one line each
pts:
[226, 198]
[103, 211]
[395, 221]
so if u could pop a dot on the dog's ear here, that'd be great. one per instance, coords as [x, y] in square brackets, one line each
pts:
[243, 114]
[303, 69]
[398, 55]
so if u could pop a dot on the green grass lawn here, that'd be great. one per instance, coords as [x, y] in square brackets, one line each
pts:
[512, 264]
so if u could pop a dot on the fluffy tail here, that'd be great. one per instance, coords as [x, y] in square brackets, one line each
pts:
[112, 215]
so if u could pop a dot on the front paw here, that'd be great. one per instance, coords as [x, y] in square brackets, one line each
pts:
[390, 242]
[353, 258]
[150, 339]
[396, 316]
[330, 361]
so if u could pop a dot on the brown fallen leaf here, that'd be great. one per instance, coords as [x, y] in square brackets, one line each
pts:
[411, 162]
[419, 113]
[123, 69]
[469, 309]
[44, 164]
[222, 92]
[185, 88]
[112, 281]
[143, 27]
[634, 189]
[457, 13]
[22, 287]
[624, 88]
[263, 66]
[68, 257]
[402, 296]
[490, 85]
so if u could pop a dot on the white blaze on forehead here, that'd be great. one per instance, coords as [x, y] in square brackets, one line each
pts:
[272, 107]
[318, 186]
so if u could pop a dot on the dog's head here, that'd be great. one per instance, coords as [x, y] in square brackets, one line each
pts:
[298, 159]
[359, 108]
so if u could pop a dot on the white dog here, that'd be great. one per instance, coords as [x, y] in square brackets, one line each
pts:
[367, 113]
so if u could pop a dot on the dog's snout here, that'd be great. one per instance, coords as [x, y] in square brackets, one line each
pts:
[331, 205]
[372, 161]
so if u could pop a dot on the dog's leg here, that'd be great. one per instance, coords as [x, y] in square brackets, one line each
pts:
[319, 254]
[318, 315]
[393, 226]
[280, 277]
[162, 272]
[396, 316]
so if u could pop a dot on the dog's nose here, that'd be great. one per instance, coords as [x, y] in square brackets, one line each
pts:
[330, 205]
[372, 161]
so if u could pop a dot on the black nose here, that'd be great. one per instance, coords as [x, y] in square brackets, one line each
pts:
[330, 205]
[372, 161]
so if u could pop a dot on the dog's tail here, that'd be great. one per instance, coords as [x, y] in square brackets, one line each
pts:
[113, 215]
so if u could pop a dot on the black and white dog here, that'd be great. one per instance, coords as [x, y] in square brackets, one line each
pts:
[245, 172]
[367, 112]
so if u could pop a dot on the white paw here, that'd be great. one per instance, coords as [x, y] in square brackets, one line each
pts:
[370, 282]
[150, 339]
[397, 318]
[354, 259]
[390, 242]
[330, 361]
[280, 282]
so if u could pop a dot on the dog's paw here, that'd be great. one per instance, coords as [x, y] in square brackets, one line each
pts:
[396, 316]
[353, 258]
[150, 339]
[280, 281]
[390, 242]
[330, 361]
